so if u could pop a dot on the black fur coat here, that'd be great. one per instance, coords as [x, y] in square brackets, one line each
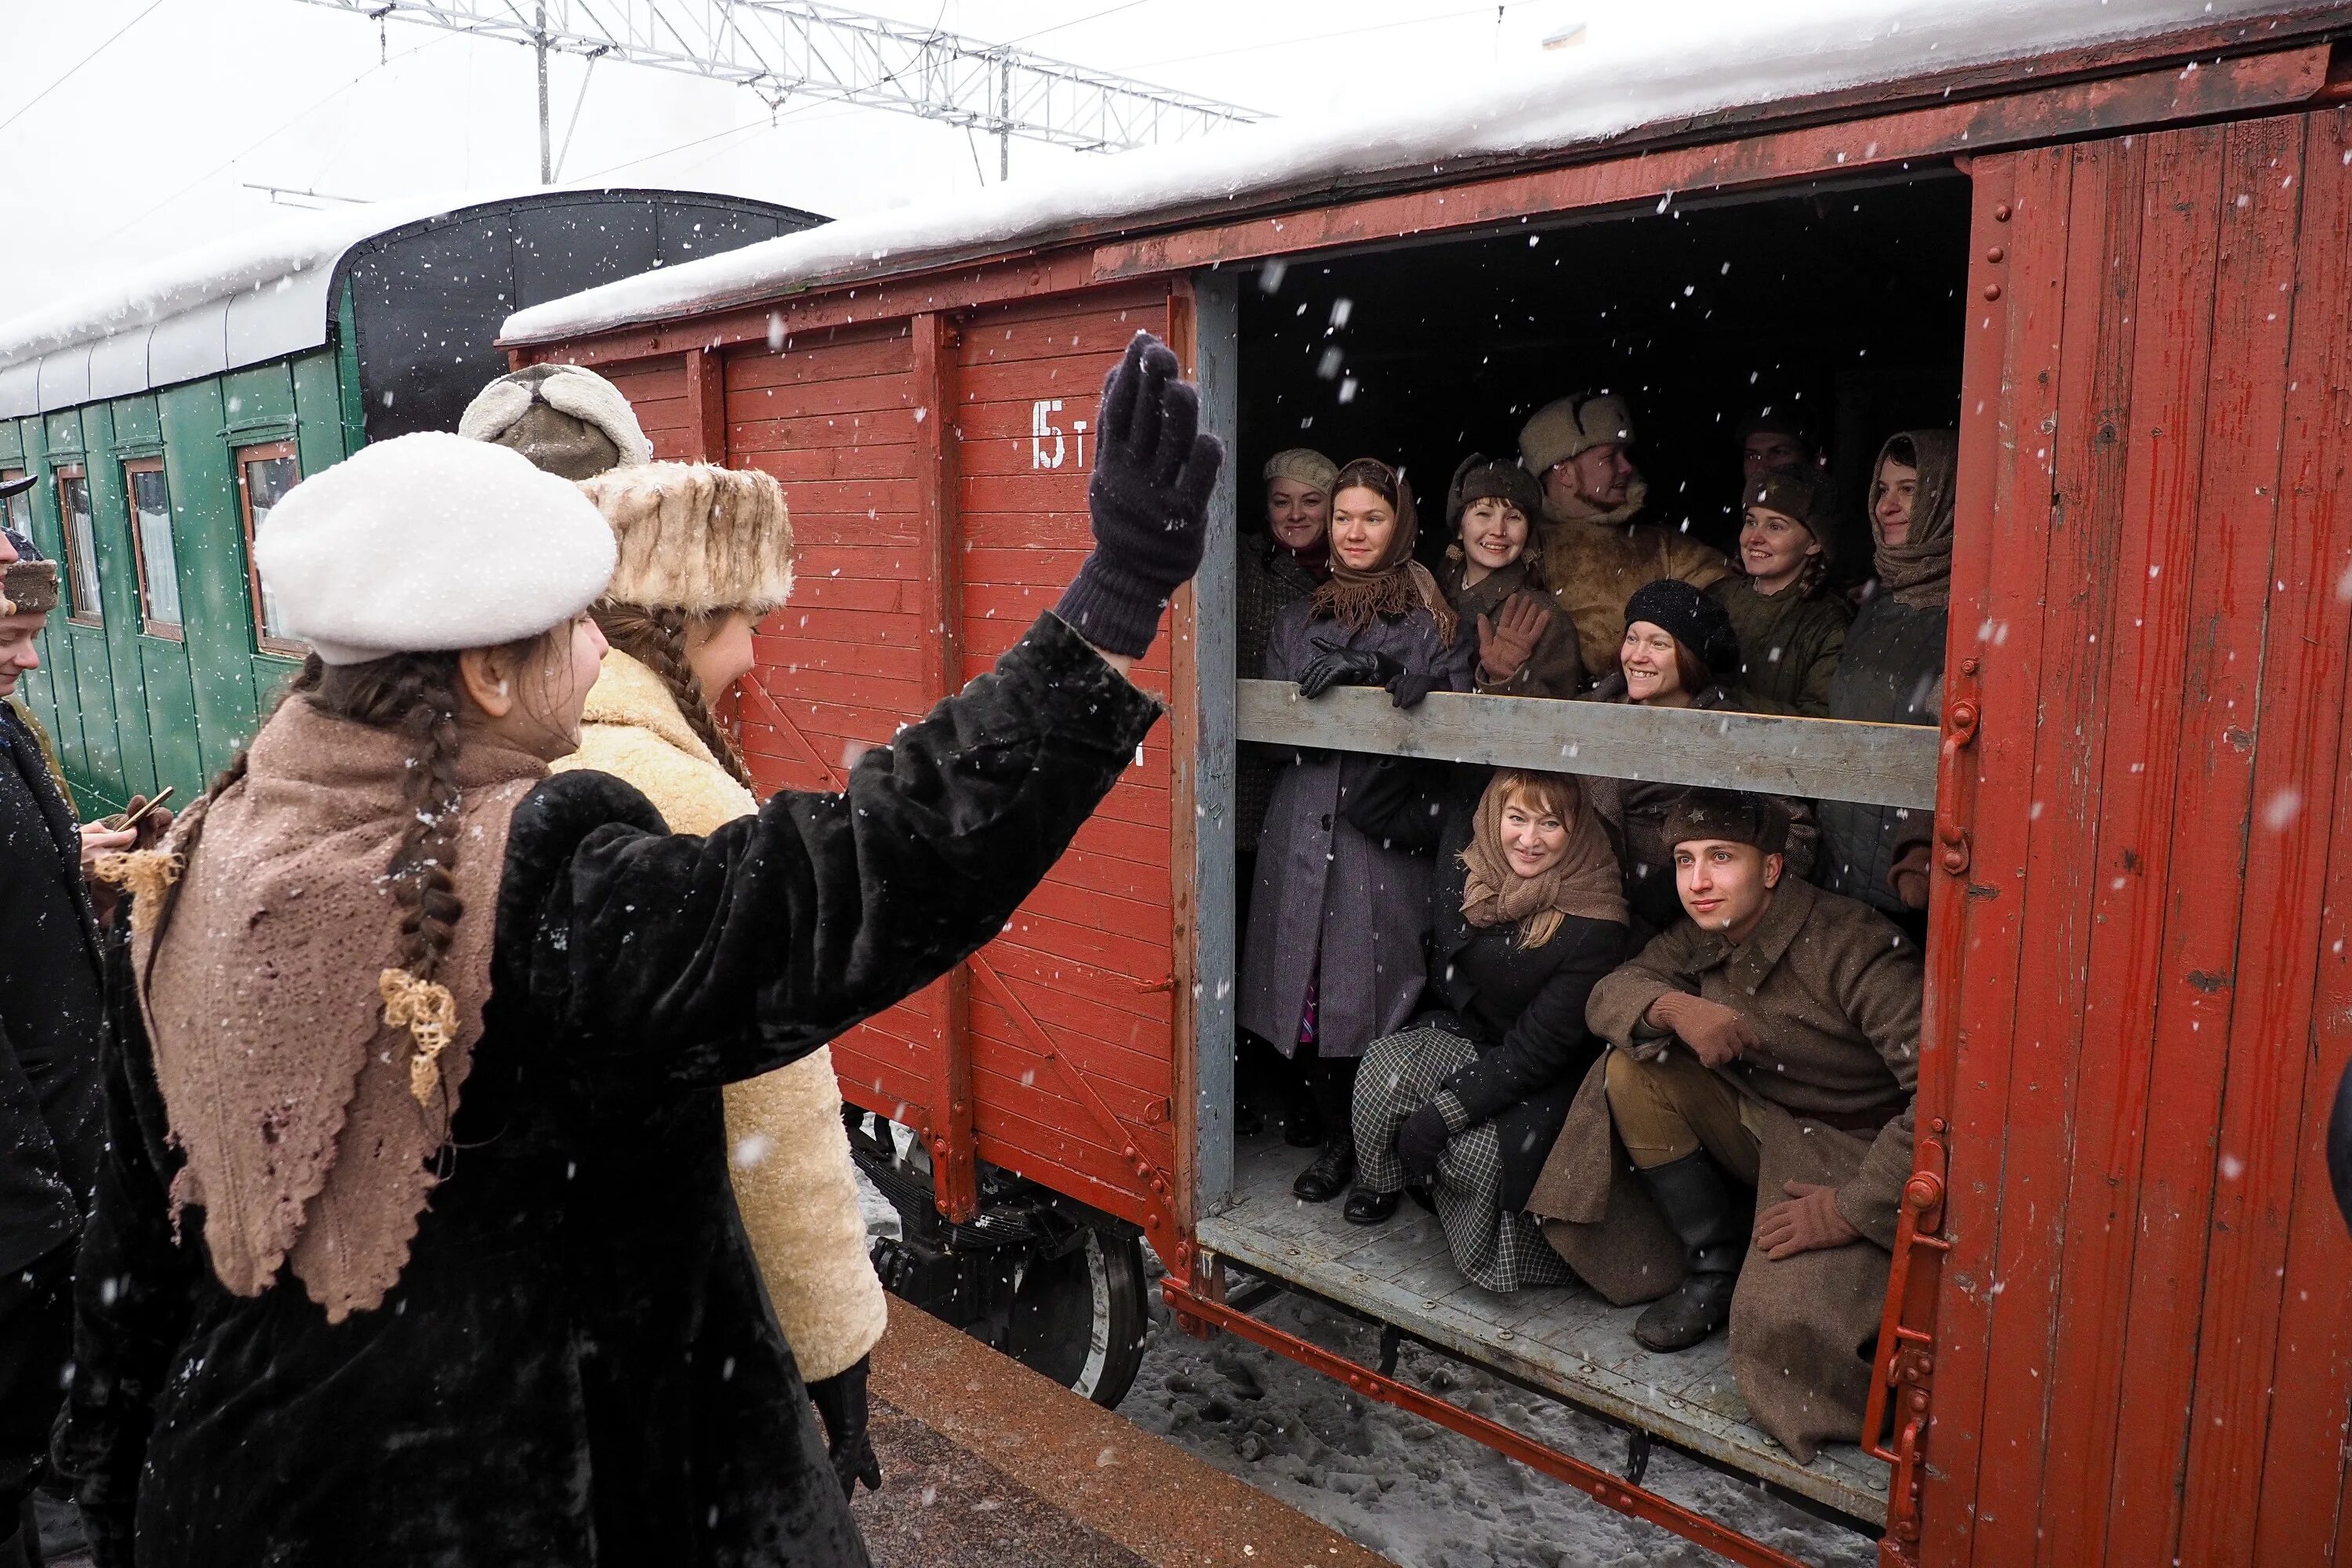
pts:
[578, 1365]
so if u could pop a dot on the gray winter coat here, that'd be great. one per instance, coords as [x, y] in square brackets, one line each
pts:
[1329, 900]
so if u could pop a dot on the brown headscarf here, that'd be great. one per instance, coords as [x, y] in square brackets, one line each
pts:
[1397, 584]
[263, 981]
[1586, 882]
[1918, 572]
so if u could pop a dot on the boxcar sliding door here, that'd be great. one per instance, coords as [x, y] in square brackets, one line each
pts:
[2142, 1337]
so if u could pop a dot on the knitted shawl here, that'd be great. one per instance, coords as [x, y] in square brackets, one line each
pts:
[309, 1081]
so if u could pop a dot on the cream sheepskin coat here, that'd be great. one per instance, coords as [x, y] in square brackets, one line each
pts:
[794, 1181]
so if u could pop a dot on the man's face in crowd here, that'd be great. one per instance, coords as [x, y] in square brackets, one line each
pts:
[1597, 476]
[1725, 885]
[1771, 452]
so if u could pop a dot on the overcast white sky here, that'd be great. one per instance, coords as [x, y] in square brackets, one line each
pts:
[148, 148]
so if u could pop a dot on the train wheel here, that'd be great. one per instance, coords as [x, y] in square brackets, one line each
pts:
[1080, 1319]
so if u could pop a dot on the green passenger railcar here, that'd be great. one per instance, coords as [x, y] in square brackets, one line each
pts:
[164, 419]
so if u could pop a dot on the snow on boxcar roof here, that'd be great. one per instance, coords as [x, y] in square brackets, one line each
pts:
[1596, 93]
[255, 297]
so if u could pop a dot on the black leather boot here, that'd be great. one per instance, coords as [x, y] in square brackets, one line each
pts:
[1370, 1208]
[1330, 1175]
[1700, 1206]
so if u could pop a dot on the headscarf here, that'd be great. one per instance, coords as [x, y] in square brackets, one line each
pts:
[1586, 881]
[1396, 584]
[1918, 572]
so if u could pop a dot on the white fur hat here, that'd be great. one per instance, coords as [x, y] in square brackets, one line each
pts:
[697, 538]
[430, 542]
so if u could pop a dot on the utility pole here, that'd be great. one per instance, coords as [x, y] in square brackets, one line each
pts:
[546, 152]
[813, 49]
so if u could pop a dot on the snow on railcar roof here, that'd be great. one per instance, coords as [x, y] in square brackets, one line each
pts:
[1780, 52]
[244, 299]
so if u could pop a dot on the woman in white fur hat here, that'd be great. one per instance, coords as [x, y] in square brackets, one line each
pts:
[704, 553]
[387, 958]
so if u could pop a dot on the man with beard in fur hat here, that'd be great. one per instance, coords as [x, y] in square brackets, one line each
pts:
[1594, 553]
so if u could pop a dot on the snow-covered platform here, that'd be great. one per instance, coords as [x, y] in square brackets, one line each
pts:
[1568, 1342]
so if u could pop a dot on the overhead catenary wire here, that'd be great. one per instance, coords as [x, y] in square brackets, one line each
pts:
[111, 39]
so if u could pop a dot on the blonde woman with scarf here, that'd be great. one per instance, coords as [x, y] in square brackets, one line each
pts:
[1331, 960]
[388, 958]
[704, 553]
[1526, 917]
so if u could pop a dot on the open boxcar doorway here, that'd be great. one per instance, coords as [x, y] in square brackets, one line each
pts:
[1842, 301]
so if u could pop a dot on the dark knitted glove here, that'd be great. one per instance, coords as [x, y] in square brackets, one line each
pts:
[1420, 1144]
[1408, 687]
[841, 1400]
[1339, 666]
[1149, 497]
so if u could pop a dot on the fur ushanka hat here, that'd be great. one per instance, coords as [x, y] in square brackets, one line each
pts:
[569, 421]
[695, 538]
[430, 542]
[1569, 426]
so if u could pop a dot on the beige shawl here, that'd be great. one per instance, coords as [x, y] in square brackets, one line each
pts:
[1586, 882]
[310, 1121]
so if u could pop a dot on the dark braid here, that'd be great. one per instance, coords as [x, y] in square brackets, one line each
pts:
[415, 694]
[657, 640]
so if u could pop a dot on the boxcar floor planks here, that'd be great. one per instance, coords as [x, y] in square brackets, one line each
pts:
[1567, 1341]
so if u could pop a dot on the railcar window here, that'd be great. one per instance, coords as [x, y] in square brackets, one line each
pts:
[17, 511]
[264, 475]
[151, 533]
[81, 545]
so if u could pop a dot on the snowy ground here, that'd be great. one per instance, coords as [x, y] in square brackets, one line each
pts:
[1411, 1490]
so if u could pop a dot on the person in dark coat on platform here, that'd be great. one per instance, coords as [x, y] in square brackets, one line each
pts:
[52, 1127]
[285, 1355]
[1526, 644]
[1526, 915]
[1891, 671]
[1333, 958]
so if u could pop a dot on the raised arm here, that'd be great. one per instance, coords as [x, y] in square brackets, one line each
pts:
[712, 960]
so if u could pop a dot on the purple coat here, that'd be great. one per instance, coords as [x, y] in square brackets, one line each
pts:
[1329, 900]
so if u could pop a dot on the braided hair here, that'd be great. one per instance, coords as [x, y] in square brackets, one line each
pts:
[414, 694]
[657, 640]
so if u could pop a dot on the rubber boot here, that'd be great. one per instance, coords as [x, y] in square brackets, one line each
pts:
[1700, 1205]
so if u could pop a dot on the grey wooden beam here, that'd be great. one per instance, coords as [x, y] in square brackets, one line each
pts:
[1820, 759]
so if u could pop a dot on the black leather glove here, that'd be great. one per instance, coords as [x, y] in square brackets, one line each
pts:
[841, 1401]
[1420, 1144]
[1149, 497]
[1338, 665]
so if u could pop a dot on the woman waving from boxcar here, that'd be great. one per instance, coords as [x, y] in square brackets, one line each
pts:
[1332, 959]
[389, 958]
[1526, 916]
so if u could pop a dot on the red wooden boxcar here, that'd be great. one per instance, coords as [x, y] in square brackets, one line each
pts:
[2117, 1331]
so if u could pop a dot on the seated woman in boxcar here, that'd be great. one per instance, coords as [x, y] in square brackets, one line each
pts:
[1526, 644]
[1332, 960]
[1679, 652]
[1526, 915]
[1789, 621]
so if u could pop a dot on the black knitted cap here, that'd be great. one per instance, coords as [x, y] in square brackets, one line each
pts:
[1691, 617]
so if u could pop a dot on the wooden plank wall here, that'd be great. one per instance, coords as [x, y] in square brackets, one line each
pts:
[2144, 1347]
[898, 457]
